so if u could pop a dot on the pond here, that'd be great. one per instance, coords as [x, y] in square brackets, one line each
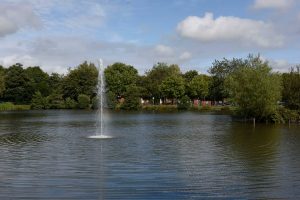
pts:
[47, 155]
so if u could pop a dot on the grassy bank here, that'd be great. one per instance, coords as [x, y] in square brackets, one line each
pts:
[174, 108]
[10, 106]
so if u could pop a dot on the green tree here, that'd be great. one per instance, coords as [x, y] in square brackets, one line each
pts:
[83, 101]
[198, 87]
[2, 83]
[112, 100]
[38, 80]
[118, 76]
[70, 103]
[219, 71]
[81, 80]
[184, 103]
[132, 98]
[291, 88]
[38, 101]
[18, 88]
[56, 101]
[255, 89]
[156, 76]
[189, 75]
[172, 87]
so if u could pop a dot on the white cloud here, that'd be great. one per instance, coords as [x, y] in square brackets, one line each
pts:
[233, 29]
[26, 60]
[280, 65]
[164, 50]
[185, 55]
[14, 17]
[273, 4]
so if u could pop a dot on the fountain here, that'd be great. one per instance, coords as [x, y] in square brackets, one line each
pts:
[101, 104]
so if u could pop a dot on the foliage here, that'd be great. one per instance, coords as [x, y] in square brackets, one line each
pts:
[291, 88]
[118, 76]
[10, 106]
[198, 87]
[160, 108]
[39, 102]
[2, 83]
[219, 71]
[132, 98]
[283, 115]
[111, 99]
[81, 80]
[189, 75]
[56, 101]
[172, 87]
[38, 80]
[70, 103]
[255, 89]
[156, 76]
[83, 101]
[184, 103]
[17, 85]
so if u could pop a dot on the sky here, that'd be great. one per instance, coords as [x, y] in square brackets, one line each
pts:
[60, 34]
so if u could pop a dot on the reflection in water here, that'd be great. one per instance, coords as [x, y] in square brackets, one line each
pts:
[46, 155]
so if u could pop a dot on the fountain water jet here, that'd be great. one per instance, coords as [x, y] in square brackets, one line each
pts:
[101, 103]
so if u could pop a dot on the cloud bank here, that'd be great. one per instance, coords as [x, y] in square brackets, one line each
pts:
[228, 28]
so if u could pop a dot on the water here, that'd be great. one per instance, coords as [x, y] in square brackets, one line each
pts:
[46, 155]
[100, 118]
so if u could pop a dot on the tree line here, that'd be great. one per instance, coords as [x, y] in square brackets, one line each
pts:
[247, 83]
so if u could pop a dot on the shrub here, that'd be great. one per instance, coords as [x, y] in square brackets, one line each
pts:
[55, 101]
[184, 103]
[70, 103]
[38, 102]
[83, 101]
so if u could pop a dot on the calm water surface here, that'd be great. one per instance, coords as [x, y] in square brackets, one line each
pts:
[47, 155]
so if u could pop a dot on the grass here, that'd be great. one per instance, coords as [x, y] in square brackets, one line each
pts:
[10, 106]
[173, 108]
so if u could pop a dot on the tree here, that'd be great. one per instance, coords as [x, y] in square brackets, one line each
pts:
[2, 83]
[18, 87]
[156, 76]
[184, 103]
[56, 101]
[70, 103]
[291, 88]
[38, 101]
[83, 101]
[118, 76]
[172, 87]
[132, 98]
[38, 80]
[219, 71]
[81, 80]
[189, 75]
[198, 87]
[255, 89]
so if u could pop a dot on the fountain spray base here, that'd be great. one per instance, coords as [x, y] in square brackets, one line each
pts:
[100, 137]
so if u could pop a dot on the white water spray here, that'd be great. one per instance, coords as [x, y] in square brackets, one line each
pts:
[101, 103]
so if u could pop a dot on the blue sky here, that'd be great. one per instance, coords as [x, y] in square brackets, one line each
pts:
[56, 34]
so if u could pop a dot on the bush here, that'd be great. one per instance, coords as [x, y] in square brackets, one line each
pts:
[184, 103]
[112, 101]
[38, 102]
[70, 103]
[95, 103]
[55, 101]
[206, 108]
[160, 108]
[132, 98]
[284, 115]
[83, 101]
